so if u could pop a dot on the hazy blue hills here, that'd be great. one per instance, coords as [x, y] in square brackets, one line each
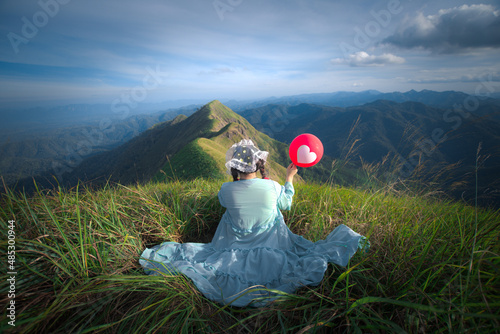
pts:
[22, 124]
[346, 99]
[409, 136]
[382, 127]
[32, 149]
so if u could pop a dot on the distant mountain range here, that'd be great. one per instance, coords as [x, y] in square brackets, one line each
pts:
[37, 140]
[383, 127]
[29, 152]
[346, 99]
[410, 136]
[35, 123]
[28, 123]
[406, 137]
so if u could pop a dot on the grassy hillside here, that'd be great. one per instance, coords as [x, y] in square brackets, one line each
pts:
[206, 156]
[433, 265]
[193, 160]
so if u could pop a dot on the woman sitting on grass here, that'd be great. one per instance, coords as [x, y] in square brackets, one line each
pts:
[253, 250]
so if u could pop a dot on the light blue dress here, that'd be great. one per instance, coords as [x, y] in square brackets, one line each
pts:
[253, 250]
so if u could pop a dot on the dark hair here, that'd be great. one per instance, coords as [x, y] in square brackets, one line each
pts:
[260, 167]
[234, 173]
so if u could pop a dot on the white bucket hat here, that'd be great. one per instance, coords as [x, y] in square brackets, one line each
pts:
[243, 156]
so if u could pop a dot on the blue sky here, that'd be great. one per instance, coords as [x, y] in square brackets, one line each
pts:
[158, 50]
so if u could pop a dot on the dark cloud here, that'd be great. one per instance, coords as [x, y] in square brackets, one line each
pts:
[451, 30]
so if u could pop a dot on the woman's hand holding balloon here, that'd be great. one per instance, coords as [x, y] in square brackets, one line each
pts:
[291, 170]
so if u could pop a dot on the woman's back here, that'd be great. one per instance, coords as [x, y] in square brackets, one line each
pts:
[250, 203]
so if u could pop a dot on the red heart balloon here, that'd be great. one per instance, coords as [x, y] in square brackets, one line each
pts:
[305, 150]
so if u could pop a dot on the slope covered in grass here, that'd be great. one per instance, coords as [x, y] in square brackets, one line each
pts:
[433, 266]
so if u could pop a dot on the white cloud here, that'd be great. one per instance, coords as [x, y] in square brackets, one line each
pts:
[363, 59]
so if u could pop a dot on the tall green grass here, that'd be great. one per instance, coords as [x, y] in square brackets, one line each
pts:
[433, 266]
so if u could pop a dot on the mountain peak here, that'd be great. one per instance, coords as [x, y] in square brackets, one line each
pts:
[216, 116]
[214, 103]
[219, 109]
[222, 128]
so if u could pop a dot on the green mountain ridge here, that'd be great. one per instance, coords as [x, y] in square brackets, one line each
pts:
[185, 147]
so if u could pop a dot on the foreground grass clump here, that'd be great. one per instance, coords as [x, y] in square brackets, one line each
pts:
[433, 266]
